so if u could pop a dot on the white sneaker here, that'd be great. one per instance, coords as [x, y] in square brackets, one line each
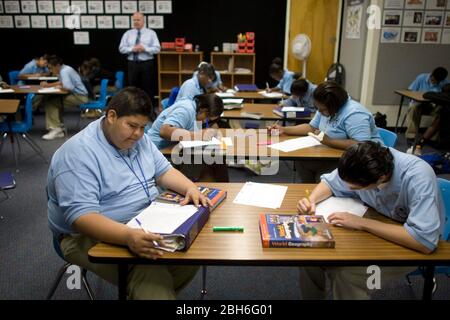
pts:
[417, 152]
[410, 150]
[53, 134]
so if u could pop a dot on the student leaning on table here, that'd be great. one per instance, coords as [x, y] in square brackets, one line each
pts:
[102, 178]
[401, 187]
[339, 123]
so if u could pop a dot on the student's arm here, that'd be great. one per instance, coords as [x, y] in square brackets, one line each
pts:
[171, 133]
[342, 144]
[45, 84]
[320, 193]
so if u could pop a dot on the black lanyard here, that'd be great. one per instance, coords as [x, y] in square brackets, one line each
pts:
[144, 183]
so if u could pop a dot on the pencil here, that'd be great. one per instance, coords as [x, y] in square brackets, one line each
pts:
[309, 199]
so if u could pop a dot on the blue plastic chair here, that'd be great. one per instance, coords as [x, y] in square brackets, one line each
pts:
[21, 128]
[99, 104]
[389, 138]
[173, 95]
[6, 182]
[118, 84]
[13, 77]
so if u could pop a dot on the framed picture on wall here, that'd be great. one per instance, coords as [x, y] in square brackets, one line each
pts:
[155, 22]
[28, 6]
[445, 36]
[45, 6]
[390, 35]
[88, 22]
[81, 37]
[433, 19]
[394, 4]
[55, 22]
[415, 4]
[80, 7]
[61, 7]
[163, 6]
[121, 22]
[431, 36]
[6, 22]
[38, 22]
[436, 4]
[104, 22]
[22, 22]
[448, 5]
[447, 20]
[1, 7]
[129, 6]
[95, 6]
[413, 18]
[392, 17]
[112, 6]
[411, 35]
[12, 6]
[147, 7]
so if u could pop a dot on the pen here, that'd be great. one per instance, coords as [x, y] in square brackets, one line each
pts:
[155, 243]
[206, 123]
[267, 87]
[240, 229]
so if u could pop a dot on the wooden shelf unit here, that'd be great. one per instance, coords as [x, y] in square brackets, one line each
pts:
[226, 63]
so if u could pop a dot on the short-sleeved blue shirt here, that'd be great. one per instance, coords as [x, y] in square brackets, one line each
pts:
[189, 89]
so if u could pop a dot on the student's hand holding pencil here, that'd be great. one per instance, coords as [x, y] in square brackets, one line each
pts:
[275, 129]
[306, 205]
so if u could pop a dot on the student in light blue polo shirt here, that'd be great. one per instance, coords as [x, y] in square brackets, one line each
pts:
[284, 76]
[339, 123]
[36, 67]
[198, 84]
[69, 80]
[425, 82]
[399, 186]
[216, 84]
[103, 177]
[301, 95]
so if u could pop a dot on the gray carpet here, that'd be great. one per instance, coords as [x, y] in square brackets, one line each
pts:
[29, 264]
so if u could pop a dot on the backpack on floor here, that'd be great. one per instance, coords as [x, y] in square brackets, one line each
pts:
[440, 162]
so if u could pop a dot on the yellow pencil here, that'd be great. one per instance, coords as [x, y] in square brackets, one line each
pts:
[309, 200]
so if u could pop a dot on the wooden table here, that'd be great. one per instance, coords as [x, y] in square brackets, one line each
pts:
[33, 78]
[353, 248]
[19, 89]
[264, 109]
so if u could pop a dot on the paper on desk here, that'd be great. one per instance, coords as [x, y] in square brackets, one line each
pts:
[271, 94]
[295, 144]
[261, 195]
[225, 94]
[223, 143]
[233, 101]
[163, 217]
[6, 90]
[337, 204]
[292, 109]
[49, 90]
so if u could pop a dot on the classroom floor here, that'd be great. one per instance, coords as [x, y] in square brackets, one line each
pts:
[29, 263]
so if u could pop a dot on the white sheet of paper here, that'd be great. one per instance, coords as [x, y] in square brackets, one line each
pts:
[163, 217]
[271, 94]
[292, 109]
[6, 90]
[49, 90]
[337, 204]
[232, 101]
[295, 144]
[261, 195]
[200, 143]
[225, 94]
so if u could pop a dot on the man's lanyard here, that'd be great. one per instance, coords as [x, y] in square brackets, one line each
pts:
[144, 183]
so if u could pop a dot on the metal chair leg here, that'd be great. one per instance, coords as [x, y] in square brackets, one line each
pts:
[203, 292]
[34, 146]
[86, 284]
[61, 272]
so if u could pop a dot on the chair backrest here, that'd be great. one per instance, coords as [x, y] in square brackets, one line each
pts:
[389, 138]
[28, 118]
[119, 80]
[7, 181]
[103, 91]
[444, 186]
[13, 75]
[173, 96]
[336, 73]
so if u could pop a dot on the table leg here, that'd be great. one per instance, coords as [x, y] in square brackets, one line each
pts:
[417, 125]
[399, 112]
[428, 285]
[123, 275]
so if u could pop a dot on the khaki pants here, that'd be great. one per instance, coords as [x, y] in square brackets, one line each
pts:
[347, 283]
[53, 108]
[144, 281]
[414, 112]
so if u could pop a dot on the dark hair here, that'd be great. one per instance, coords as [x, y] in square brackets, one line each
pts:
[211, 102]
[277, 67]
[364, 163]
[208, 70]
[54, 60]
[131, 101]
[299, 87]
[439, 74]
[94, 62]
[331, 95]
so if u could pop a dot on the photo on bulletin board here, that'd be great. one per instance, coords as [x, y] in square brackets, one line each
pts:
[447, 20]
[147, 7]
[155, 22]
[413, 18]
[104, 22]
[81, 37]
[163, 6]
[28, 6]
[80, 7]
[88, 22]
[45, 6]
[55, 22]
[431, 36]
[112, 6]
[448, 4]
[61, 7]
[95, 6]
[436, 4]
[415, 4]
[392, 17]
[12, 6]
[22, 22]
[38, 22]
[6, 22]
[129, 6]
[433, 19]
[394, 4]
[121, 22]
[390, 35]
[411, 35]
[445, 36]
[1, 7]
